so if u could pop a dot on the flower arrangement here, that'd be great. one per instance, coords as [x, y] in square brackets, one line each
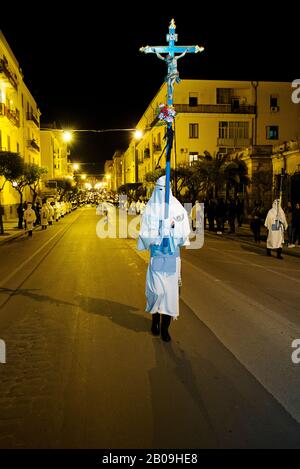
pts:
[166, 113]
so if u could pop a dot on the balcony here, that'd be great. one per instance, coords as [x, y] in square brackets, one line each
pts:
[216, 108]
[31, 117]
[7, 75]
[234, 142]
[33, 145]
[12, 115]
[156, 147]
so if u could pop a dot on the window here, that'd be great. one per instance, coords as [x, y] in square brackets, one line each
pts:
[193, 130]
[234, 130]
[224, 95]
[193, 99]
[8, 143]
[273, 101]
[272, 132]
[193, 156]
[18, 147]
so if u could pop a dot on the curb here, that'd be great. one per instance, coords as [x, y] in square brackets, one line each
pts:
[7, 239]
[285, 250]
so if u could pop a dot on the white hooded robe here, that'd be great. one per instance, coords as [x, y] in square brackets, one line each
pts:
[276, 224]
[164, 269]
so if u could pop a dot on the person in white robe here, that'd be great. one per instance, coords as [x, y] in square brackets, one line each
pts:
[276, 224]
[44, 216]
[30, 218]
[163, 274]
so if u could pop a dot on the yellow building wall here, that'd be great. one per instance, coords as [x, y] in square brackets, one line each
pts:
[19, 122]
[287, 118]
[208, 122]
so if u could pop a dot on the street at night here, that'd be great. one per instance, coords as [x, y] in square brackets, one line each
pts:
[149, 235]
[83, 370]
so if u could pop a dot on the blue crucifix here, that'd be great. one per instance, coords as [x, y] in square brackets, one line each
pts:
[171, 78]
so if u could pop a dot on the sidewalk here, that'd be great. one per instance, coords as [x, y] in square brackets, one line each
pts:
[244, 235]
[11, 231]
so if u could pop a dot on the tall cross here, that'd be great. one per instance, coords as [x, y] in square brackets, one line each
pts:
[171, 78]
[171, 58]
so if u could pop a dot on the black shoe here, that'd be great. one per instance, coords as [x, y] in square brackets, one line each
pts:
[279, 257]
[165, 336]
[165, 322]
[155, 328]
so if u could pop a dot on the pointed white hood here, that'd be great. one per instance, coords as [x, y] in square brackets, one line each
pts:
[154, 227]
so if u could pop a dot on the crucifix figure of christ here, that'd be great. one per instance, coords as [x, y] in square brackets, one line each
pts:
[172, 77]
[171, 59]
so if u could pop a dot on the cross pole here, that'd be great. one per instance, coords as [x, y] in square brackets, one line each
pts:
[171, 78]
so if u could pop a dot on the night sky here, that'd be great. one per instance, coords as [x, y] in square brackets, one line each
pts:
[84, 68]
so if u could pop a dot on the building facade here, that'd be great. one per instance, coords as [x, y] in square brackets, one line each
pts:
[54, 154]
[286, 161]
[19, 122]
[219, 117]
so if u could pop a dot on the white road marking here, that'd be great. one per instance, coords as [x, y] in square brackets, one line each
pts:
[267, 269]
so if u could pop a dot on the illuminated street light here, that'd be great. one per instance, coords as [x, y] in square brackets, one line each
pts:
[76, 166]
[138, 134]
[67, 136]
[83, 176]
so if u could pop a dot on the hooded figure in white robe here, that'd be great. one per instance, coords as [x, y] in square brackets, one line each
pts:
[30, 218]
[162, 291]
[276, 224]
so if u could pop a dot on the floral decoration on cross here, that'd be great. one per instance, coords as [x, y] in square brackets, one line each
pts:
[166, 113]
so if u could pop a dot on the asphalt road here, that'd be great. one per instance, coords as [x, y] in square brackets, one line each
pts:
[83, 370]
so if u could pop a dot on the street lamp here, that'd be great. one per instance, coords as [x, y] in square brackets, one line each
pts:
[67, 136]
[76, 166]
[138, 134]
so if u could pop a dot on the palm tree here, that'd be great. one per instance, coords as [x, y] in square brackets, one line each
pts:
[211, 173]
[235, 174]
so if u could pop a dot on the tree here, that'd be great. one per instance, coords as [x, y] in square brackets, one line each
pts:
[34, 174]
[262, 181]
[11, 167]
[188, 177]
[235, 175]
[152, 176]
[133, 190]
[24, 179]
[64, 187]
[211, 173]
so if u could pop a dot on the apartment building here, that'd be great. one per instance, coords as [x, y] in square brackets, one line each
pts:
[19, 121]
[215, 116]
[54, 153]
